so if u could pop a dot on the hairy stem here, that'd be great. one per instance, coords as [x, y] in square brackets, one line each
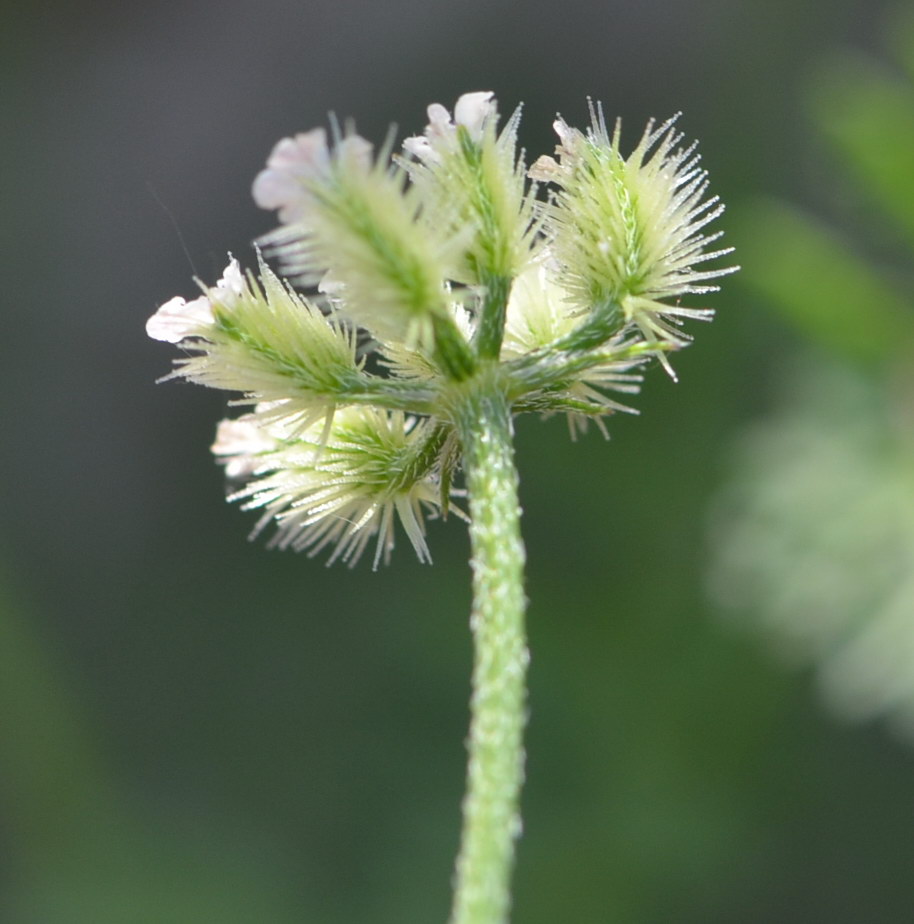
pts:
[491, 818]
[452, 352]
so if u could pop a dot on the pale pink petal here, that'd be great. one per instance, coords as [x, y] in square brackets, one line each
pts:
[272, 189]
[307, 152]
[355, 151]
[292, 164]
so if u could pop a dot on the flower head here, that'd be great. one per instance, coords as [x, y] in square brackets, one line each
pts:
[470, 181]
[342, 489]
[629, 230]
[264, 341]
[350, 220]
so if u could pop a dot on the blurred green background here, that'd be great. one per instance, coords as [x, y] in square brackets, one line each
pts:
[194, 729]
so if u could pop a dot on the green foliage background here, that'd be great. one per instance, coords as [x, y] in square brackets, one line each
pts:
[193, 728]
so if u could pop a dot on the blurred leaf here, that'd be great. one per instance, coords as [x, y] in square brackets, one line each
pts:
[817, 282]
[868, 116]
[814, 540]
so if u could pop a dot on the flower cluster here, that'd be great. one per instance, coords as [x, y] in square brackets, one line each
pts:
[429, 271]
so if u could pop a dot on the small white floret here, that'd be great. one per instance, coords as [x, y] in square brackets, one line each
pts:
[420, 147]
[179, 319]
[439, 121]
[472, 110]
[241, 435]
[231, 286]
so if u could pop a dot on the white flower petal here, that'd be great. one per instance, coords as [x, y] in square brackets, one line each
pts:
[178, 319]
[238, 446]
[472, 110]
[232, 283]
[439, 120]
[241, 437]
[421, 149]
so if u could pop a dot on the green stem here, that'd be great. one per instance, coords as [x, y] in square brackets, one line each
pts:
[606, 319]
[452, 352]
[545, 369]
[491, 818]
